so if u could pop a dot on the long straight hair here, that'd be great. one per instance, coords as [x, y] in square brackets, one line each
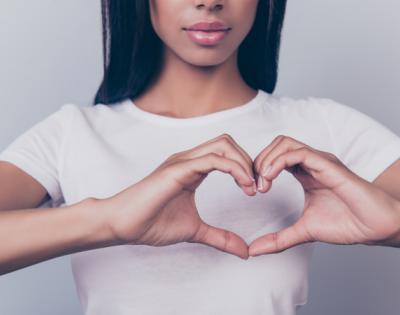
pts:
[132, 50]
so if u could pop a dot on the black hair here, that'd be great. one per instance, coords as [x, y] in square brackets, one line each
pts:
[132, 50]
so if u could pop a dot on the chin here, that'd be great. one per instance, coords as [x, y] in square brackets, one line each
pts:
[205, 59]
[204, 63]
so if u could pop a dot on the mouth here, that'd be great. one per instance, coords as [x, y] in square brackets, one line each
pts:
[206, 29]
[206, 37]
[207, 32]
[208, 26]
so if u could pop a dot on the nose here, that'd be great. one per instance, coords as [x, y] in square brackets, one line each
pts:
[211, 5]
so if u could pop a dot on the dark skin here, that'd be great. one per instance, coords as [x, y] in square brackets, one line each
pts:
[197, 75]
[340, 207]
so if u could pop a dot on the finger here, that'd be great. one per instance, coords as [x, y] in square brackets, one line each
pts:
[265, 152]
[286, 144]
[304, 157]
[223, 145]
[235, 144]
[222, 240]
[321, 168]
[279, 241]
[245, 155]
[212, 161]
[278, 141]
[227, 147]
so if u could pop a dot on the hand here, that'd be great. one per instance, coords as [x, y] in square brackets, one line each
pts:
[160, 209]
[340, 207]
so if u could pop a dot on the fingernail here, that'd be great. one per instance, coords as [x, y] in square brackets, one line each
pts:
[254, 187]
[267, 171]
[260, 183]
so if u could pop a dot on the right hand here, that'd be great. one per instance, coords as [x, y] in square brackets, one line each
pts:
[160, 209]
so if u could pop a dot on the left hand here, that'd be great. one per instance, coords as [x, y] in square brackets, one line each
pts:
[339, 208]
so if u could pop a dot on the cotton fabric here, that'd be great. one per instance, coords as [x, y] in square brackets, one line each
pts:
[96, 151]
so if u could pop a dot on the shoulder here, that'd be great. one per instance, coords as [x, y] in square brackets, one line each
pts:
[99, 118]
[302, 103]
[88, 110]
[97, 112]
[310, 106]
[296, 107]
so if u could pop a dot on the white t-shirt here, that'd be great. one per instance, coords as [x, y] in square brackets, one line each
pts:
[97, 151]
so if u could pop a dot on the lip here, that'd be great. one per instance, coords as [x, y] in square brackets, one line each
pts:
[206, 37]
[208, 26]
[207, 32]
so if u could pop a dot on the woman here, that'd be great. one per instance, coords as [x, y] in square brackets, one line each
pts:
[176, 104]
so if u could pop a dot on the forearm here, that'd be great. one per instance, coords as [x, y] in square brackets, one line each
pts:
[29, 236]
[395, 240]
[392, 230]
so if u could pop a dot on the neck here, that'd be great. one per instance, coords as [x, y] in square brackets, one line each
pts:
[185, 90]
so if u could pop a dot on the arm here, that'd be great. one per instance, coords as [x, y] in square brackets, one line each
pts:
[340, 207]
[388, 181]
[397, 238]
[158, 210]
[29, 236]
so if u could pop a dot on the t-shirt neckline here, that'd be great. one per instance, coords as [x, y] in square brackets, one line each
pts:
[255, 102]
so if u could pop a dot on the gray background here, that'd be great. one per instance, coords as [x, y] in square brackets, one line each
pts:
[347, 50]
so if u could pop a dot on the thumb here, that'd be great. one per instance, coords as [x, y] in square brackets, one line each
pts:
[222, 240]
[279, 241]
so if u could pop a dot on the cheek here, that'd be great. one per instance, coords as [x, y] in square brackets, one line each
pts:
[244, 17]
[165, 21]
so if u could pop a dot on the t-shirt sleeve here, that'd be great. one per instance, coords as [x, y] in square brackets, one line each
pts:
[363, 144]
[38, 152]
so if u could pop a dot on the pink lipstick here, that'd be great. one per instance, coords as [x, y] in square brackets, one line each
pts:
[207, 33]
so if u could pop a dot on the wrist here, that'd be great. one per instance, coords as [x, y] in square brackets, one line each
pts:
[95, 213]
[396, 239]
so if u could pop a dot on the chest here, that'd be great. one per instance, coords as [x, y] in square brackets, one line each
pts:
[102, 165]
